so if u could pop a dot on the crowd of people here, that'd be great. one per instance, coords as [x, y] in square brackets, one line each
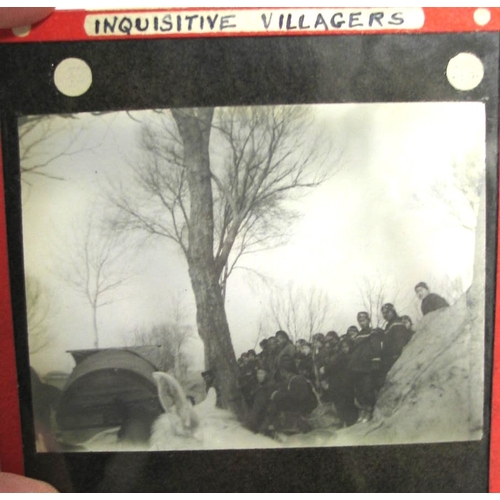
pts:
[285, 382]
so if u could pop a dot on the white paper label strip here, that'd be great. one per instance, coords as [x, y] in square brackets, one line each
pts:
[255, 21]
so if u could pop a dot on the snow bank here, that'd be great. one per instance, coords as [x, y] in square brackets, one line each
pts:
[219, 430]
[434, 392]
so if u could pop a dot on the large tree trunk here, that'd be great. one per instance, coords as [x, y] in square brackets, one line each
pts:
[194, 127]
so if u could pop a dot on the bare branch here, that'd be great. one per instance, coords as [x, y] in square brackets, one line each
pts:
[300, 312]
[43, 140]
[173, 337]
[38, 306]
[92, 262]
[375, 290]
[261, 157]
[458, 191]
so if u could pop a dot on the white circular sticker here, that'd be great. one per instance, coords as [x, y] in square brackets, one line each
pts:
[465, 71]
[21, 31]
[73, 77]
[482, 16]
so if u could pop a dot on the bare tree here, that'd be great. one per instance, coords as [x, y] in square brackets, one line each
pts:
[181, 333]
[458, 192]
[43, 139]
[300, 312]
[258, 162]
[38, 307]
[262, 331]
[94, 263]
[216, 198]
[375, 290]
[173, 337]
[372, 294]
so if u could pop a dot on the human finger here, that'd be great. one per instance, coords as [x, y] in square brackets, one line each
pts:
[11, 17]
[12, 483]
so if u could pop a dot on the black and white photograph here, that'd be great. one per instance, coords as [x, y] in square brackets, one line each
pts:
[266, 276]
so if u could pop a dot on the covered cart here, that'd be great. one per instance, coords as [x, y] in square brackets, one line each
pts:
[110, 387]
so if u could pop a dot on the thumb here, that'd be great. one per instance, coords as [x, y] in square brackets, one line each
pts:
[11, 17]
[12, 483]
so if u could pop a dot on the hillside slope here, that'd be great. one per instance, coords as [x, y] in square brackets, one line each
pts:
[432, 393]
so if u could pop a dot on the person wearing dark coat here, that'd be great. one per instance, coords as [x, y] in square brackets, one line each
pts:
[318, 339]
[364, 366]
[330, 348]
[396, 336]
[352, 332]
[304, 362]
[286, 351]
[297, 395]
[364, 323]
[406, 320]
[326, 356]
[291, 403]
[260, 400]
[270, 358]
[430, 301]
[340, 391]
[247, 381]
[318, 355]
[264, 353]
[332, 339]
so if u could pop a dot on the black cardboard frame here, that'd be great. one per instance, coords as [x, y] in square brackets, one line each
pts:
[237, 71]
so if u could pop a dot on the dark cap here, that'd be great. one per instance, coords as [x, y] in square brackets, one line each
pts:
[421, 285]
[388, 307]
[282, 334]
[319, 337]
[331, 335]
[363, 314]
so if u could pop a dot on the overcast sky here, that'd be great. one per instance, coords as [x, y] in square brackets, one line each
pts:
[377, 216]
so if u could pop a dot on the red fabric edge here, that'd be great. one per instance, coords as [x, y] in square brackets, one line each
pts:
[69, 25]
[11, 451]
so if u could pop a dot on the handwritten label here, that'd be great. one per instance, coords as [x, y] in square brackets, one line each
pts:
[252, 21]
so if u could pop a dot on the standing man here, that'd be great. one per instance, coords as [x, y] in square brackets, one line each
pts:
[396, 336]
[286, 352]
[406, 320]
[352, 332]
[364, 367]
[430, 301]
[364, 323]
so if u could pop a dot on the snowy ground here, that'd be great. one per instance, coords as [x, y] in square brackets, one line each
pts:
[429, 396]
